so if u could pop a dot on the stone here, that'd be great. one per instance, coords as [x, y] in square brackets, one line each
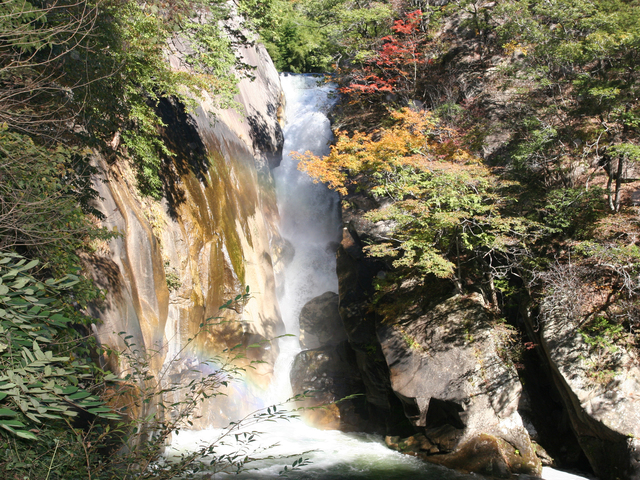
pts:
[320, 322]
[605, 415]
[355, 274]
[328, 374]
[212, 233]
[445, 367]
[484, 454]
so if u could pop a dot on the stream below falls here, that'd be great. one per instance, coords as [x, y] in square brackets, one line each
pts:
[310, 219]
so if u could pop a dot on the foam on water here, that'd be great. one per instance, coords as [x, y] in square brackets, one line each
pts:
[332, 454]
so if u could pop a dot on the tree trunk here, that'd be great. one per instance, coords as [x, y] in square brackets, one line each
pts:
[619, 182]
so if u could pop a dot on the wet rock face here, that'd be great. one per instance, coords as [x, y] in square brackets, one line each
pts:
[446, 367]
[320, 322]
[325, 368]
[605, 415]
[179, 259]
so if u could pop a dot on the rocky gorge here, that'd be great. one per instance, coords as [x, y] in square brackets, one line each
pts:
[433, 370]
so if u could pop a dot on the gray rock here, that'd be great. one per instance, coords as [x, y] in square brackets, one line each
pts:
[446, 368]
[320, 322]
[605, 416]
[327, 374]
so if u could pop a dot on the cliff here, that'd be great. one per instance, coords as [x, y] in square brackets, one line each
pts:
[489, 378]
[176, 261]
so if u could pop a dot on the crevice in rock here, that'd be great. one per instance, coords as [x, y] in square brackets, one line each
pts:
[444, 412]
[410, 407]
[541, 407]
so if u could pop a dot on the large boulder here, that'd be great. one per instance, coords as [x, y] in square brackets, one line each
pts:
[327, 376]
[604, 412]
[320, 322]
[448, 367]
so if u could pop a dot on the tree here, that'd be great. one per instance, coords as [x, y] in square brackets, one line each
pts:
[394, 67]
[60, 412]
[320, 35]
[582, 59]
[446, 206]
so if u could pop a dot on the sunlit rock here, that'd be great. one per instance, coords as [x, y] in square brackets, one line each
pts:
[178, 260]
[604, 410]
[446, 366]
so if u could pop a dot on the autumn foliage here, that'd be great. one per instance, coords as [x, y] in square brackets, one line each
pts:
[415, 140]
[444, 201]
[394, 67]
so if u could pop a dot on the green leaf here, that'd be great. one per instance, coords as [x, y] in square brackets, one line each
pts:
[69, 390]
[95, 411]
[26, 435]
[80, 395]
[12, 423]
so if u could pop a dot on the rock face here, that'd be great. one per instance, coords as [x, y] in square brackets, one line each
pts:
[355, 274]
[437, 362]
[328, 374]
[214, 232]
[325, 369]
[447, 367]
[320, 322]
[604, 414]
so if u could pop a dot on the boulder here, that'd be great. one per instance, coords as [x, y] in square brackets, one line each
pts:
[484, 454]
[320, 322]
[447, 368]
[604, 412]
[328, 376]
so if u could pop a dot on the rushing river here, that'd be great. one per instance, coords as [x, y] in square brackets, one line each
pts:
[311, 223]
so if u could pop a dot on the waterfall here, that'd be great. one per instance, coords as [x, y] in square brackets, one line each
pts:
[309, 213]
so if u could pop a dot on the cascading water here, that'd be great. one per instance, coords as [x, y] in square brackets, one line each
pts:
[311, 223]
[309, 213]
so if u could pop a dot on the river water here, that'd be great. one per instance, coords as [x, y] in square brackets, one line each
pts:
[311, 223]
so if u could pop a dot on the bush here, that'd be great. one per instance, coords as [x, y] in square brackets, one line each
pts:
[61, 415]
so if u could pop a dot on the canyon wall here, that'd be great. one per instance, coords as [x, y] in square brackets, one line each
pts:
[177, 260]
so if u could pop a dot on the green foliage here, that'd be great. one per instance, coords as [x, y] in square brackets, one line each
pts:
[44, 196]
[314, 35]
[104, 65]
[445, 205]
[53, 416]
[39, 379]
[171, 274]
[572, 211]
[601, 334]
[603, 338]
[581, 59]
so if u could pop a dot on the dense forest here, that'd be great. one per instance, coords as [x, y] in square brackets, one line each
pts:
[498, 142]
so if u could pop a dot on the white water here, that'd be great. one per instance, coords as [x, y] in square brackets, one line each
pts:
[309, 213]
[311, 222]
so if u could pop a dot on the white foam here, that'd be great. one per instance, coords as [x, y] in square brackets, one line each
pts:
[331, 454]
[549, 473]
